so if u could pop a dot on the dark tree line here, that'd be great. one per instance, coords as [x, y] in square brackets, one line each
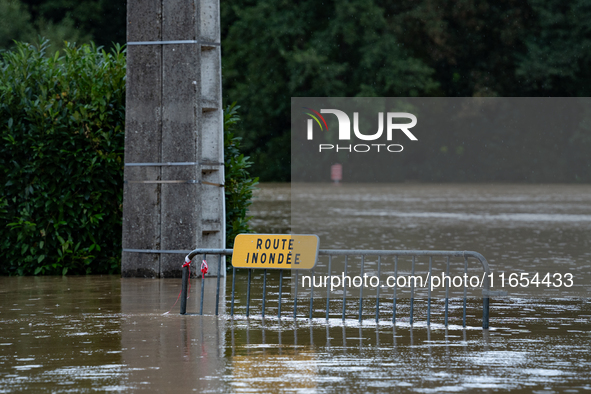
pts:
[277, 49]
[274, 50]
[101, 21]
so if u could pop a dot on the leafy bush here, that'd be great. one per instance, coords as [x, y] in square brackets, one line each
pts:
[61, 159]
[238, 182]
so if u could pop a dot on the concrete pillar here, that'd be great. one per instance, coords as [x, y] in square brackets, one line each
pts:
[173, 115]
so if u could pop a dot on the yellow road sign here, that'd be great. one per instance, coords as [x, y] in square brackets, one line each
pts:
[275, 251]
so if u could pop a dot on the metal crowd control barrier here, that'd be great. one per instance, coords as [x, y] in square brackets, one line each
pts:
[346, 253]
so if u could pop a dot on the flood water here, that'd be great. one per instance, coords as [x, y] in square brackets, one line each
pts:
[108, 334]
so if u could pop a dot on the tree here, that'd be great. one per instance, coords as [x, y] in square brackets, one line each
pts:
[273, 50]
[558, 56]
[15, 23]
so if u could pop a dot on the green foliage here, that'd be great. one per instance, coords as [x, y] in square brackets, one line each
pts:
[275, 50]
[61, 161]
[61, 167]
[60, 33]
[102, 21]
[558, 52]
[16, 24]
[239, 184]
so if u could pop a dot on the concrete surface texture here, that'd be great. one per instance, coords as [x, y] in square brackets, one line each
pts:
[174, 115]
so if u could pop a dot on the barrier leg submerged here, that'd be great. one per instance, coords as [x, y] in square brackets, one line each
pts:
[217, 289]
[345, 289]
[328, 287]
[264, 292]
[280, 293]
[362, 253]
[233, 291]
[248, 293]
[184, 285]
[295, 297]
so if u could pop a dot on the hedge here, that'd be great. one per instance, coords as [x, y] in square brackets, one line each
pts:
[61, 161]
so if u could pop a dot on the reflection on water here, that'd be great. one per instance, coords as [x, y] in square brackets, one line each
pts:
[108, 334]
[105, 334]
[518, 228]
[60, 333]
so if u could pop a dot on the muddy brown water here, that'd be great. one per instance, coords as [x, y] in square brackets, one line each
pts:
[108, 334]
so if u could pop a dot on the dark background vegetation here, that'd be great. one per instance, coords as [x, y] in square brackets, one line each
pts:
[276, 49]
[62, 136]
[273, 50]
[62, 123]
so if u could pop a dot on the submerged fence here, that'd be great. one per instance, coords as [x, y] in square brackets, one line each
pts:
[484, 284]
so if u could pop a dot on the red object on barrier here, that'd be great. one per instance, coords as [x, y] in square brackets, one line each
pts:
[187, 264]
[204, 268]
[336, 173]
